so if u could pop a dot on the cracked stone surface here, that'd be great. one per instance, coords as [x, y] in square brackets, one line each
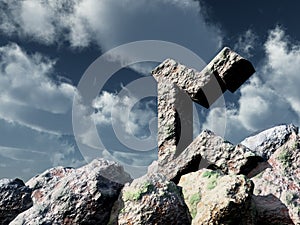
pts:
[279, 185]
[215, 198]
[227, 70]
[15, 198]
[221, 154]
[74, 196]
[178, 83]
[266, 142]
[151, 199]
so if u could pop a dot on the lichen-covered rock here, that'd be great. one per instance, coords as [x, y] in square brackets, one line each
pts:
[220, 153]
[266, 142]
[15, 198]
[75, 196]
[282, 181]
[215, 198]
[151, 200]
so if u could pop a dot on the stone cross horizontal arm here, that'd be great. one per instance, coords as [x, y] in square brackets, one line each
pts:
[179, 85]
[229, 69]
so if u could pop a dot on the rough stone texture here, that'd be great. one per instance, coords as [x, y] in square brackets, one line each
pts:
[175, 117]
[151, 200]
[281, 181]
[91, 194]
[220, 153]
[177, 84]
[266, 142]
[167, 121]
[14, 199]
[214, 198]
[75, 196]
[227, 70]
[270, 210]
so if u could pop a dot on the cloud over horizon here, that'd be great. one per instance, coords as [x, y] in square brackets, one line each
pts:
[36, 107]
[109, 23]
[272, 95]
[28, 93]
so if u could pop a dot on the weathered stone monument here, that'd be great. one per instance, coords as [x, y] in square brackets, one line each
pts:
[258, 184]
[178, 86]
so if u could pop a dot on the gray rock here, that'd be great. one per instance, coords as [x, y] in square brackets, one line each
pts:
[175, 121]
[14, 199]
[75, 196]
[220, 153]
[151, 200]
[227, 70]
[270, 210]
[177, 85]
[215, 198]
[266, 142]
[281, 181]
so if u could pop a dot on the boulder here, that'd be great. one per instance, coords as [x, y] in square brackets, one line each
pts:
[266, 142]
[281, 181]
[75, 196]
[151, 199]
[220, 153]
[215, 198]
[15, 198]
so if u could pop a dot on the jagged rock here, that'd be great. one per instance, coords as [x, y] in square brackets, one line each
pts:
[266, 142]
[75, 196]
[281, 181]
[151, 200]
[227, 70]
[14, 199]
[220, 153]
[215, 198]
[178, 84]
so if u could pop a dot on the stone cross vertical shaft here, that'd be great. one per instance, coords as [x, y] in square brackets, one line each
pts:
[178, 86]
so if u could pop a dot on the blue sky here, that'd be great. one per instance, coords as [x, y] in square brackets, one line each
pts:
[46, 46]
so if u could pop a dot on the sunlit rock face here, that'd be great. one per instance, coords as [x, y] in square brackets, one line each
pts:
[74, 196]
[216, 198]
[238, 187]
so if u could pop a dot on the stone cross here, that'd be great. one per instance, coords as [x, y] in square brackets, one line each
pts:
[178, 86]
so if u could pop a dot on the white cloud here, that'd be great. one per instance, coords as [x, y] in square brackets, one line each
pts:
[246, 43]
[27, 93]
[110, 23]
[125, 111]
[272, 95]
[35, 20]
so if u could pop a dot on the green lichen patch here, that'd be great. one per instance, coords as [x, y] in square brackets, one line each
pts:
[212, 184]
[193, 200]
[285, 157]
[139, 192]
[291, 199]
[212, 177]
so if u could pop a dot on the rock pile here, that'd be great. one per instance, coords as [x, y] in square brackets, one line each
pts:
[239, 187]
[255, 182]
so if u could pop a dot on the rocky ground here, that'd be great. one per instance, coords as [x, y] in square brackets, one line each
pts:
[255, 182]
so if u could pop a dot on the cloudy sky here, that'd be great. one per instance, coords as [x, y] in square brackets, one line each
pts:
[46, 48]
